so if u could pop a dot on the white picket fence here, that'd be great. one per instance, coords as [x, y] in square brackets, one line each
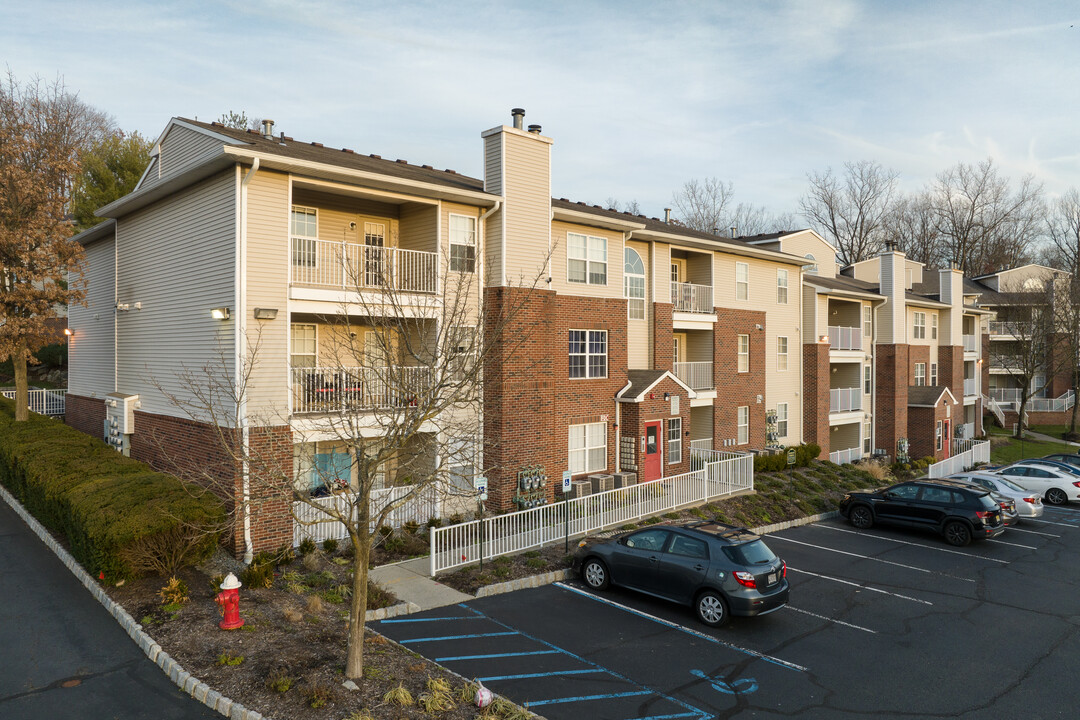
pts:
[548, 524]
[415, 506]
[965, 454]
[43, 402]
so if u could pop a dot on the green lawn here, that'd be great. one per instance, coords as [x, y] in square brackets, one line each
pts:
[1018, 450]
[1052, 430]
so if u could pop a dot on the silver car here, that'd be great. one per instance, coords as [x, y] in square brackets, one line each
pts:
[1028, 503]
[1056, 486]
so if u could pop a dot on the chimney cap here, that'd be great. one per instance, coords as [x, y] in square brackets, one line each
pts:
[268, 128]
[535, 129]
[519, 117]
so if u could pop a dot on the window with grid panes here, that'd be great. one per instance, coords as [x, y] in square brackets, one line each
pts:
[933, 373]
[742, 281]
[868, 320]
[586, 259]
[743, 422]
[302, 353]
[462, 243]
[634, 284]
[674, 440]
[744, 353]
[782, 419]
[920, 373]
[781, 354]
[304, 228]
[781, 287]
[587, 448]
[919, 326]
[588, 353]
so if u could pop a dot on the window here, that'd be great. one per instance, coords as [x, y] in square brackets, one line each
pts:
[651, 540]
[781, 354]
[586, 259]
[937, 435]
[867, 385]
[302, 352]
[460, 458]
[744, 354]
[743, 421]
[689, 547]
[933, 326]
[676, 272]
[588, 448]
[742, 281]
[867, 320]
[867, 430]
[781, 287]
[462, 243]
[919, 331]
[811, 267]
[781, 419]
[304, 227]
[634, 284]
[460, 342]
[920, 373]
[674, 440]
[905, 492]
[588, 353]
[933, 373]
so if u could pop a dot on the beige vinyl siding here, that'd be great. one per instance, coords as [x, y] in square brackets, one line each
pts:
[614, 286]
[810, 310]
[177, 257]
[639, 333]
[466, 284]
[419, 228]
[493, 226]
[661, 273]
[527, 212]
[181, 149]
[807, 243]
[90, 347]
[698, 269]
[267, 287]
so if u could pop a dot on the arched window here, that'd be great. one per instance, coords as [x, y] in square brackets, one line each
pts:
[634, 284]
[811, 267]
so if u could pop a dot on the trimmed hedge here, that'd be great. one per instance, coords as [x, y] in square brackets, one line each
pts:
[105, 504]
[777, 462]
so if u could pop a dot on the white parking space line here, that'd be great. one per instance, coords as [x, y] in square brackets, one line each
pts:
[832, 620]
[905, 542]
[1033, 532]
[859, 585]
[1002, 542]
[867, 557]
[1051, 522]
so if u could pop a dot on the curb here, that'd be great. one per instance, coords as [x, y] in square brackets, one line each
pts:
[184, 680]
[522, 583]
[405, 608]
[808, 520]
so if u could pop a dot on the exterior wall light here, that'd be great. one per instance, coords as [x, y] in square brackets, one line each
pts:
[220, 313]
[67, 331]
[265, 313]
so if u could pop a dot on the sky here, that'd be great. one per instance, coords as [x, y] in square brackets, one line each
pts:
[639, 97]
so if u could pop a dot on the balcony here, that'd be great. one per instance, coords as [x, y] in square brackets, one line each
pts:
[971, 387]
[698, 375]
[850, 455]
[690, 298]
[345, 389]
[845, 338]
[845, 399]
[351, 266]
[1010, 328]
[971, 343]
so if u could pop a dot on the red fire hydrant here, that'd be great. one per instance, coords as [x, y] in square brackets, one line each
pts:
[229, 600]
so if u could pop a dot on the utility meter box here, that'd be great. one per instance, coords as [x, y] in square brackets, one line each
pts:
[120, 420]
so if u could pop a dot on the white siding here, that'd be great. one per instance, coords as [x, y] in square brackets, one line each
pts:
[90, 347]
[177, 258]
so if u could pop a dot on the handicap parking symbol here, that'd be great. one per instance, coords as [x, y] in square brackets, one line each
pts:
[742, 686]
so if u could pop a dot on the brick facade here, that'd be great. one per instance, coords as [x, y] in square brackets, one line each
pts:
[891, 407]
[663, 339]
[738, 389]
[815, 395]
[951, 369]
[922, 430]
[634, 416]
[85, 414]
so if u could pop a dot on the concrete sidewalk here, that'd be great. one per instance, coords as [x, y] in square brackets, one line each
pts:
[409, 581]
[1050, 438]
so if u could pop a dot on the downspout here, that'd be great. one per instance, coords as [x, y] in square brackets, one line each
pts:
[241, 353]
[618, 430]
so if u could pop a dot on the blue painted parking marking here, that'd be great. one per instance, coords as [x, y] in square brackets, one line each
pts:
[583, 698]
[741, 686]
[560, 673]
[456, 637]
[430, 619]
[451, 658]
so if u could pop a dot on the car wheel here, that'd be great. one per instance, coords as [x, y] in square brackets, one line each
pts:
[1056, 496]
[595, 574]
[957, 533]
[711, 608]
[861, 517]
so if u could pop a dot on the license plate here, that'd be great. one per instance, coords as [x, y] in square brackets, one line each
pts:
[771, 579]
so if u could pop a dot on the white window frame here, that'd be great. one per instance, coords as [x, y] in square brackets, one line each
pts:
[939, 430]
[459, 473]
[868, 435]
[463, 238]
[781, 286]
[781, 420]
[314, 354]
[933, 326]
[933, 374]
[868, 320]
[635, 302]
[920, 374]
[867, 380]
[588, 355]
[578, 458]
[589, 261]
[303, 254]
[742, 347]
[742, 424]
[918, 326]
[742, 284]
[674, 440]
[781, 353]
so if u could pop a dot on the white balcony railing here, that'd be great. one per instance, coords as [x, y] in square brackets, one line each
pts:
[691, 298]
[698, 375]
[846, 456]
[1010, 328]
[351, 266]
[963, 432]
[845, 399]
[845, 338]
[701, 444]
[325, 389]
[971, 387]
[971, 343]
[43, 402]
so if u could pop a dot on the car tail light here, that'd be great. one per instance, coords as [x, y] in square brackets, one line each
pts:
[783, 569]
[1031, 500]
[984, 514]
[745, 579]
[1076, 484]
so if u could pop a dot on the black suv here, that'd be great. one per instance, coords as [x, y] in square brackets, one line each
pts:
[719, 569]
[956, 510]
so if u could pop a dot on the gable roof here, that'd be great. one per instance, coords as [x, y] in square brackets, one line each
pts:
[641, 382]
[928, 395]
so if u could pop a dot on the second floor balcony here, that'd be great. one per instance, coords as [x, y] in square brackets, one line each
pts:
[845, 338]
[698, 375]
[971, 343]
[357, 267]
[348, 389]
[1010, 328]
[845, 399]
[690, 298]
[971, 387]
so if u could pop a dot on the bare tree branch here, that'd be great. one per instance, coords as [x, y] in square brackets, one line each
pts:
[850, 210]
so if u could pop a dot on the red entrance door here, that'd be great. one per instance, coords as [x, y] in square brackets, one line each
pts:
[652, 466]
[946, 440]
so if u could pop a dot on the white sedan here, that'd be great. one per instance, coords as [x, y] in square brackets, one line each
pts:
[1055, 485]
[1028, 504]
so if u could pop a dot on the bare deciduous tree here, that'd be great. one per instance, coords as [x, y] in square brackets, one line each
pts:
[750, 219]
[910, 227]
[703, 204]
[1063, 229]
[850, 210]
[632, 207]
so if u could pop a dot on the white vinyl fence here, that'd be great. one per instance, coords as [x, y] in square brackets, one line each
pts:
[965, 454]
[413, 506]
[717, 475]
[43, 402]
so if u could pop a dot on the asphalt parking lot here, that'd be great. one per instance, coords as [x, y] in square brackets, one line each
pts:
[881, 622]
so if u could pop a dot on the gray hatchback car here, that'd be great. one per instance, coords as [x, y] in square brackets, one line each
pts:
[718, 569]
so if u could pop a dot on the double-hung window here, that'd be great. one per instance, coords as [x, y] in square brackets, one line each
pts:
[781, 419]
[634, 284]
[586, 259]
[867, 386]
[781, 354]
[744, 354]
[868, 431]
[462, 243]
[743, 424]
[304, 228]
[588, 448]
[588, 353]
[920, 373]
[919, 326]
[781, 287]
[867, 320]
[674, 440]
[302, 352]
[933, 373]
[938, 433]
[933, 326]
[742, 281]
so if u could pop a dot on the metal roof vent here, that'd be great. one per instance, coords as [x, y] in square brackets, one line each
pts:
[535, 129]
[519, 117]
[268, 129]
